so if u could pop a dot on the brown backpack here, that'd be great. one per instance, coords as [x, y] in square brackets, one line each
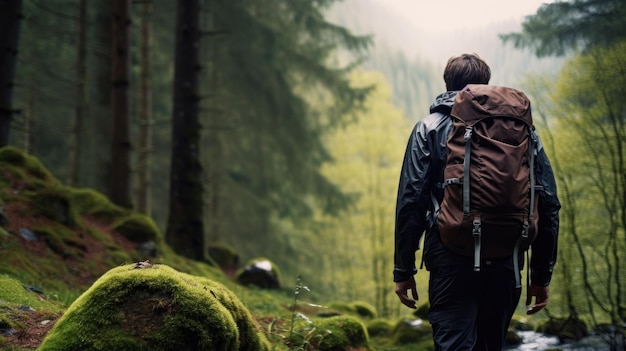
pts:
[489, 207]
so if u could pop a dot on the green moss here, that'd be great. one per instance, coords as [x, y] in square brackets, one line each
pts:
[342, 307]
[223, 254]
[156, 308]
[379, 327]
[13, 293]
[512, 338]
[521, 323]
[411, 331]
[364, 309]
[340, 333]
[54, 204]
[137, 228]
[89, 202]
[25, 166]
[565, 328]
[61, 240]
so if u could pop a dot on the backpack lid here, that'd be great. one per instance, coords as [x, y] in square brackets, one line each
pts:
[477, 101]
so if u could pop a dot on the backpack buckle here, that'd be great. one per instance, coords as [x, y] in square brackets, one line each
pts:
[476, 232]
[477, 227]
[468, 133]
[525, 229]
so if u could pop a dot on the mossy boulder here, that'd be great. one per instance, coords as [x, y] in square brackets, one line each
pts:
[565, 328]
[379, 327]
[225, 257]
[154, 307]
[137, 228]
[23, 171]
[409, 331]
[520, 323]
[512, 337]
[339, 333]
[364, 309]
[93, 204]
[357, 308]
[260, 272]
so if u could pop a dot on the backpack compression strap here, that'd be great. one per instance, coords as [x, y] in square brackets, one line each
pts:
[532, 149]
[476, 231]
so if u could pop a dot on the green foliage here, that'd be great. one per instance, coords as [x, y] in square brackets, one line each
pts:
[587, 139]
[563, 26]
[368, 155]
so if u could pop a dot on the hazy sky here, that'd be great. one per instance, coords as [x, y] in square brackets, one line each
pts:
[452, 15]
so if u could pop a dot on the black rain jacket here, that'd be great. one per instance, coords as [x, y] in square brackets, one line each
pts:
[423, 167]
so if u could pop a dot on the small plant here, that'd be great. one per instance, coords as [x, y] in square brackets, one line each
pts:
[296, 294]
[307, 334]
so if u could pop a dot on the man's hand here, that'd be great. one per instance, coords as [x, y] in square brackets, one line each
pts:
[541, 298]
[401, 290]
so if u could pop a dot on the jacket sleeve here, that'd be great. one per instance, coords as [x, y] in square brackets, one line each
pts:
[544, 248]
[412, 202]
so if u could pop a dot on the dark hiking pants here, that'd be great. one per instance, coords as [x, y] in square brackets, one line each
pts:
[470, 310]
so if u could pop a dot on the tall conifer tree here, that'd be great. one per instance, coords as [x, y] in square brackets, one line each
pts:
[10, 17]
[185, 227]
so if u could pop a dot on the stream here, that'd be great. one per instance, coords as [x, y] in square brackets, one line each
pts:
[537, 341]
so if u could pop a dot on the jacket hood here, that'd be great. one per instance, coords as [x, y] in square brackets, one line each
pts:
[443, 102]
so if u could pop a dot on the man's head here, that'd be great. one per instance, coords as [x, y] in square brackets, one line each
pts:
[465, 69]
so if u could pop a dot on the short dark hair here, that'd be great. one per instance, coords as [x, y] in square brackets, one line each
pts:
[465, 69]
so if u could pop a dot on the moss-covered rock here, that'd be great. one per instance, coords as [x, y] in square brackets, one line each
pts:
[512, 338]
[54, 205]
[364, 309]
[521, 323]
[61, 240]
[338, 308]
[565, 328]
[93, 204]
[260, 272]
[225, 257]
[23, 171]
[154, 307]
[339, 334]
[137, 228]
[408, 331]
[379, 327]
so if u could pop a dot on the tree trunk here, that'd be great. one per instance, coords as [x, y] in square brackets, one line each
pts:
[81, 77]
[10, 17]
[119, 190]
[185, 227]
[96, 168]
[145, 112]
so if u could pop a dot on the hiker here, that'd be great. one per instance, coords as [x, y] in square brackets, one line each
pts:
[472, 297]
